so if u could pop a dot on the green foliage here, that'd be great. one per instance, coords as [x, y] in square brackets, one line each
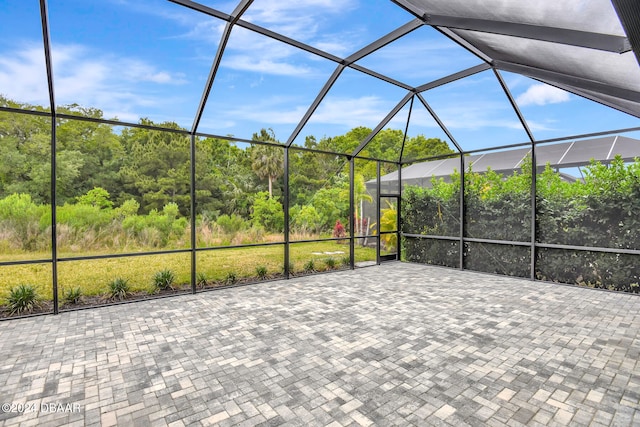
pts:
[232, 224]
[231, 278]
[72, 295]
[164, 280]
[157, 228]
[83, 217]
[201, 279]
[128, 208]
[388, 222]
[22, 299]
[309, 266]
[157, 167]
[267, 161]
[20, 216]
[118, 289]
[346, 261]
[420, 147]
[431, 210]
[267, 212]
[98, 197]
[599, 212]
[306, 219]
[261, 272]
[331, 263]
[431, 251]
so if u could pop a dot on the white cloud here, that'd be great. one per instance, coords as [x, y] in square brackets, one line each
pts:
[286, 110]
[120, 86]
[23, 76]
[420, 59]
[478, 114]
[272, 110]
[299, 19]
[350, 112]
[308, 21]
[542, 94]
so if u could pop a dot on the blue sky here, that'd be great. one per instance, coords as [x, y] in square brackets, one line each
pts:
[151, 59]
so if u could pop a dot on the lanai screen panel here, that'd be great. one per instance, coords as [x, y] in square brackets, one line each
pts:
[575, 43]
[23, 76]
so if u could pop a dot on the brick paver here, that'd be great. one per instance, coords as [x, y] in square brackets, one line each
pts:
[397, 344]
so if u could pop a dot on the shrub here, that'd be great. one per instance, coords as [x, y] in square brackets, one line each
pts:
[72, 296]
[22, 299]
[230, 278]
[307, 220]
[156, 228]
[338, 230]
[267, 212]
[231, 224]
[331, 263]
[83, 217]
[600, 211]
[118, 289]
[346, 260]
[164, 279]
[201, 279]
[128, 208]
[25, 218]
[98, 197]
[261, 272]
[309, 266]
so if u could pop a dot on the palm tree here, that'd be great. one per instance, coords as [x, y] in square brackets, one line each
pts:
[267, 161]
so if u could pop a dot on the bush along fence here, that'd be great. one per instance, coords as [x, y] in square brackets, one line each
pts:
[587, 231]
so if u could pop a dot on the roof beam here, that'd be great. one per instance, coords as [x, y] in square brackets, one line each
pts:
[399, 32]
[380, 76]
[465, 44]
[453, 77]
[578, 82]
[514, 105]
[412, 9]
[384, 40]
[46, 39]
[240, 9]
[204, 9]
[629, 13]
[606, 42]
[212, 75]
[383, 123]
[284, 39]
[406, 129]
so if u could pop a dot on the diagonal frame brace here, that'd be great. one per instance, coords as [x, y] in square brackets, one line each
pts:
[314, 105]
[383, 123]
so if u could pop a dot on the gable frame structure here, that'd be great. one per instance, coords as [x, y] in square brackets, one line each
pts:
[478, 35]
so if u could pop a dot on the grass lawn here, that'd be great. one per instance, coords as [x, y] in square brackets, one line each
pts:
[93, 276]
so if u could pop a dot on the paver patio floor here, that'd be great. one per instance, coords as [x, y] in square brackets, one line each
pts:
[397, 344]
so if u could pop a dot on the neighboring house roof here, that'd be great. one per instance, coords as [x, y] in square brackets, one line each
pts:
[564, 155]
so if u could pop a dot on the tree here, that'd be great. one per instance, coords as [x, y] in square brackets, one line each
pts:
[267, 161]
[267, 212]
[98, 197]
[420, 147]
[156, 168]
